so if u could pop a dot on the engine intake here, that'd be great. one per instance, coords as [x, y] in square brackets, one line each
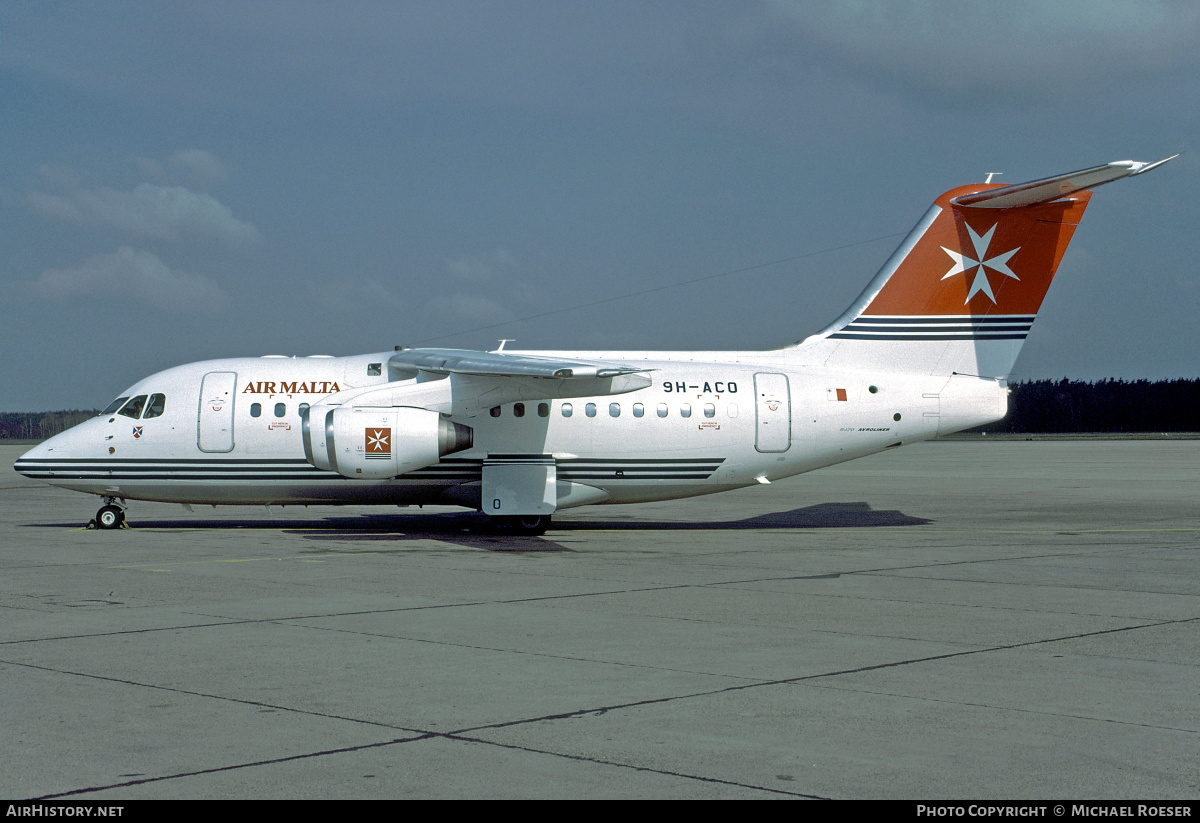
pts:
[378, 443]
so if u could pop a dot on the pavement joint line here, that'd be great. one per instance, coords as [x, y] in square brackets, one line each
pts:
[465, 734]
[606, 762]
[235, 767]
[416, 735]
[547, 598]
[998, 707]
[820, 675]
[618, 663]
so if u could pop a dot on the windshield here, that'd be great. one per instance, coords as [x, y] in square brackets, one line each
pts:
[114, 405]
[134, 407]
[158, 402]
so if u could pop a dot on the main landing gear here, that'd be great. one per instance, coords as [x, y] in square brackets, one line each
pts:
[110, 515]
[532, 525]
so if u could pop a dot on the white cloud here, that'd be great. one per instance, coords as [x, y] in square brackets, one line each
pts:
[1021, 49]
[202, 167]
[133, 275]
[159, 212]
[472, 308]
[480, 268]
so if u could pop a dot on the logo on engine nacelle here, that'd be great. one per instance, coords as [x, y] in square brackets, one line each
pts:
[379, 443]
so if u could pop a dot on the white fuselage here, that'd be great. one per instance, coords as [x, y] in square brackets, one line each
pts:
[708, 422]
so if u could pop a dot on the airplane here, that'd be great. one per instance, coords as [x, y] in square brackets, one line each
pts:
[925, 350]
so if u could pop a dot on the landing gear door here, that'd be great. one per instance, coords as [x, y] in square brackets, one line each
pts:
[215, 422]
[773, 413]
[519, 487]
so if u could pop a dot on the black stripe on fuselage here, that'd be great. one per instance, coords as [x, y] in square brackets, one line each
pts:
[253, 469]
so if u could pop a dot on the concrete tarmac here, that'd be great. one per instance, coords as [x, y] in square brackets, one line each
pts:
[947, 620]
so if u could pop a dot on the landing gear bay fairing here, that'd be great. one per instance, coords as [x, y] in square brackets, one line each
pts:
[925, 350]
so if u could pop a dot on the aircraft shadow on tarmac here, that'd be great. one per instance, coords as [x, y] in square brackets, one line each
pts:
[475, 530]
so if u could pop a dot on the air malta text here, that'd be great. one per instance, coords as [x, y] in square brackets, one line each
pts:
[291, 387]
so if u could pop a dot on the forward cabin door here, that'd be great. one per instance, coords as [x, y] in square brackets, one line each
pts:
[215, 427]
[773, 413]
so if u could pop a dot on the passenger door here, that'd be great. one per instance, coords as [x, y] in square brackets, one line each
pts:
[215, 421]
[773, 413]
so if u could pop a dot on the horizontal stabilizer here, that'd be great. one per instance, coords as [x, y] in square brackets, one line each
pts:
[1053, 188]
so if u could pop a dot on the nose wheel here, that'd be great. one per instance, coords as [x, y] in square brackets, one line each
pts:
[110, 515]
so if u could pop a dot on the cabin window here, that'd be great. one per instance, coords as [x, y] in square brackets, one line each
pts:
[494, 411]
[280, 409]
[638, 409]
[114, 405]
[590, 409]
[662, 409]
[685, 410]
[134, 407]
[567, 409]
[302, 408]
[256, 409]
[543, 409]
[614, 409]
[733, 409]
[374, 369]
[518, 409]
[710, 410]
[155, 407]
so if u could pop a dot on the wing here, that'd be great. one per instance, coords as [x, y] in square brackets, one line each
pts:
[454, 381]
[502, 364]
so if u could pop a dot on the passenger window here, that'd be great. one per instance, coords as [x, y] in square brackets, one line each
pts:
[638, 409]
[685, 410]
[302, 408]
[134, 407]
[374, 369]
[590, 409]
[256, 409]
[710, 410]
[155, 407]
[518, 409]
[494, 411]
[614, 409]
[733, 409]
[543, 409]
[280, 410]
[567, 409]
[662, 409]
[114, 405]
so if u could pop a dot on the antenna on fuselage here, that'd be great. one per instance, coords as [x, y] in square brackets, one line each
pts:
[992, 174]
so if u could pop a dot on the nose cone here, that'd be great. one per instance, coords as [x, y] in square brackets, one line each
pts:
[28, 462]
[40, 461]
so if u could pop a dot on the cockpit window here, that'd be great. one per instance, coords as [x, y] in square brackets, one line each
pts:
[134, 407]
[114, 405]
[155, 407]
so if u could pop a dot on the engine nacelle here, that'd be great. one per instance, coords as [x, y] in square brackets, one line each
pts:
[377, 443]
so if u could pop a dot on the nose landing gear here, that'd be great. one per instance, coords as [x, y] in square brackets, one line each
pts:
[110, 515]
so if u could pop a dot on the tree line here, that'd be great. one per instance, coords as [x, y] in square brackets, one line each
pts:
[1069, 406]
[1034, 406]
[40, 425]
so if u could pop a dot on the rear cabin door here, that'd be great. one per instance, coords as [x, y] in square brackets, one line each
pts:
[215, 428]
[773, 413]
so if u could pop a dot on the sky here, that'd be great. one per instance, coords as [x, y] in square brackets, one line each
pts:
[187, 181]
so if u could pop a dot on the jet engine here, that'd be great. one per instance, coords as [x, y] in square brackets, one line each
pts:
[378, 443]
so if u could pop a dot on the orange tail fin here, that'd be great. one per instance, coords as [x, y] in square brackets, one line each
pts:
[962, 291]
